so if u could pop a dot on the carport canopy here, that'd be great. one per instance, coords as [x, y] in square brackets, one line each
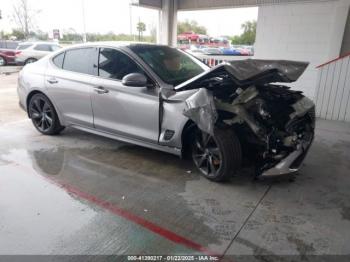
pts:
[169, 8]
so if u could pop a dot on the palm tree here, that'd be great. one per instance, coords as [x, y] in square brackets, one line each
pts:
[141, 27]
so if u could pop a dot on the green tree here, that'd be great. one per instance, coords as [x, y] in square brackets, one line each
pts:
[141, 27]
[189, 26]
[248, 35]
[19, 34]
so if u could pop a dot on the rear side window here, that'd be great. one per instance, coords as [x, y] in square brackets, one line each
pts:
[58, 60]
[80, 60]
[43, 47]
[55, 47]
[114, 64]
[22, 47]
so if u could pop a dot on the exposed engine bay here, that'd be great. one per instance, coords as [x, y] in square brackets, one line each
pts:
[274, 123]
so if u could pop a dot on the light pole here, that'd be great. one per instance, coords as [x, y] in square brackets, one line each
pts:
[84, 26]
[130, 16]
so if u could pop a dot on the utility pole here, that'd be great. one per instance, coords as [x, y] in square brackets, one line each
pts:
[130, 15]
[84, 26]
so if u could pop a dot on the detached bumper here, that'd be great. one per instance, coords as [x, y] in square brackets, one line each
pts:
[289, 164]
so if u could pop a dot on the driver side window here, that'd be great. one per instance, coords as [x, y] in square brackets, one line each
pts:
[115, 65]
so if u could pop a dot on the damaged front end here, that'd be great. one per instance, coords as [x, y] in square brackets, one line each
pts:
[275, 125]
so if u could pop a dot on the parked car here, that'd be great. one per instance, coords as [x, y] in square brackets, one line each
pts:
[211, 51]
[243, 51]
[30, 52]
[8, 44]
[7, 57]
[230, 51]
[162, 98]
[192, 36]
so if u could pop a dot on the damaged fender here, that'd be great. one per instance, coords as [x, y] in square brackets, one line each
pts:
[200, 108]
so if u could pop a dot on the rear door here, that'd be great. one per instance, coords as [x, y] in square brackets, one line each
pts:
[70, 84]
[41, 50]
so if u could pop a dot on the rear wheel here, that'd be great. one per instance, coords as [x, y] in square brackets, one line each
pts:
[30, 60]
[217, 157]
[43, 115]
[2, 61]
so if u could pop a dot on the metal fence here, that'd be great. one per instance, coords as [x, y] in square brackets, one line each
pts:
[333, 90]
[213, 60]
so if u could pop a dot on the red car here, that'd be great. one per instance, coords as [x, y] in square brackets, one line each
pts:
[192, 36]
[7, 56]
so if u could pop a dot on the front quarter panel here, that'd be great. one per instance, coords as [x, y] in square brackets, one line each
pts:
[172, 118]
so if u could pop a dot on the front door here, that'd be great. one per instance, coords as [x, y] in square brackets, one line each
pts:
[124, 110]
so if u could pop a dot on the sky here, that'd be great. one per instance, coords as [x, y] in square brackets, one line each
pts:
[102, 16]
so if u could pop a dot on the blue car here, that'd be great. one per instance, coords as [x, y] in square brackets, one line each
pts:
[230, 51]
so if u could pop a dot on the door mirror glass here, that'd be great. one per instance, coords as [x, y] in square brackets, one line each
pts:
[134, 79]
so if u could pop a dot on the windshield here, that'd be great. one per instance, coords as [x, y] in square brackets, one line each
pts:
[171, 65]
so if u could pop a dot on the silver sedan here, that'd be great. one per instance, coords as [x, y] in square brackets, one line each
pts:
[162, 98]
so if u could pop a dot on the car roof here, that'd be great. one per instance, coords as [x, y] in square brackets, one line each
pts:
[38, 42]
[114, 44]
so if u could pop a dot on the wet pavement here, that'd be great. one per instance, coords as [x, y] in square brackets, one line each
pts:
[78, 193]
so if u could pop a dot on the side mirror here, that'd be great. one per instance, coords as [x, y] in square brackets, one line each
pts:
[134, 79]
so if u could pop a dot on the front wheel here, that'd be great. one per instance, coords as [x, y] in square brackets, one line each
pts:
[43, 115]
[217, 157]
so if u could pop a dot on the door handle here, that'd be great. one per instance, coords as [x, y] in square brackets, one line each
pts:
[52, 81]
[101, 90]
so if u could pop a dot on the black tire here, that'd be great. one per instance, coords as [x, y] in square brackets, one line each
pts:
[2, 61]
[43, 115]
[30, 60]
[228, 149]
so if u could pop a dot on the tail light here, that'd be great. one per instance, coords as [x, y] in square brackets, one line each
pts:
[17, 53]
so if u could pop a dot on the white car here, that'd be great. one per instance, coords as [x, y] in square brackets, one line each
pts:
[29, 52]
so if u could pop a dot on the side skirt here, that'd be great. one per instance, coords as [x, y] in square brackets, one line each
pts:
[171, 150]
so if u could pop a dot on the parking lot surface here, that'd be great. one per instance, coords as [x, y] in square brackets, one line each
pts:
[78, 193]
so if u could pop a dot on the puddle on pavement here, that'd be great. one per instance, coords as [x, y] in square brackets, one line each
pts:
[153, 185]
[148, 183]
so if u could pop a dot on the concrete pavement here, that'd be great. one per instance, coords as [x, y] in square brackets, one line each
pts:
[82, 194]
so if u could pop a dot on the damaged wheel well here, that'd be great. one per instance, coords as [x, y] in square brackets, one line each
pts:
[186, 136]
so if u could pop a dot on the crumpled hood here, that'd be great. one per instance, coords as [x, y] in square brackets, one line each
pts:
[250, 71]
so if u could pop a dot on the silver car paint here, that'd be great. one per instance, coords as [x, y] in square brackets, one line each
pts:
[126, 110]
[119, 114]
[72, 95]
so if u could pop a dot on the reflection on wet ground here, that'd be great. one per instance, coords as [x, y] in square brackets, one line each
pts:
[170, 195]
[241, 217]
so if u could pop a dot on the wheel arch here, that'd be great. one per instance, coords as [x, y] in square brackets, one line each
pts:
[186, 133]
[25, 62]
[34, 92]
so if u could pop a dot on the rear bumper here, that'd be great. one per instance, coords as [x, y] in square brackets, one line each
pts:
[19, 62]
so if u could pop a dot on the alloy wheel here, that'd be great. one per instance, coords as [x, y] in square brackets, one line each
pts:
[206, 154]
[41, 113]
[30, 60]
[2, 61]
